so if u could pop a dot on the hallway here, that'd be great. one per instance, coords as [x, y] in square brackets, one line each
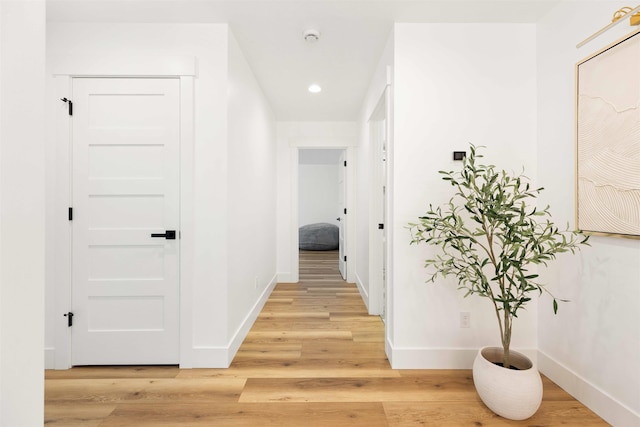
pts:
[314, 357]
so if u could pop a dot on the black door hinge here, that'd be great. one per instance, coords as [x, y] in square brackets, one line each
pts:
[69, 317]
[70, 214]
[345, 163]
[380, 226]
[345, 258]
[345, 211]
[68, 101]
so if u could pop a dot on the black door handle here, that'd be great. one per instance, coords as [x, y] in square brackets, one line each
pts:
[69, 317]
[338, 218]
[169, 235]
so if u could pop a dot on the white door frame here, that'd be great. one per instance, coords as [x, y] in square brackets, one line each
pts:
[377, 208]
[59, 239]
[349, 237]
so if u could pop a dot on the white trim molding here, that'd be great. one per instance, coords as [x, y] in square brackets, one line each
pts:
[187, 214]
[49, 357]
[221, 357]
[599, 401]
[65, 68]
[439, 358]
[295, 145]
[363, 291]
[286, 277]
[249, 320]
[123, 65]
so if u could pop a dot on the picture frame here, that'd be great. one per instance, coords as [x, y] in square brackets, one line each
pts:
[608, 140]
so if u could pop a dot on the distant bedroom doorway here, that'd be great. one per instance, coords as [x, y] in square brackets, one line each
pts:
[322, 213]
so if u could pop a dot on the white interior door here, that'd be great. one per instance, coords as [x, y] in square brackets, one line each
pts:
[378, 208]
[125, 283]
[342, 262]
[382, 186]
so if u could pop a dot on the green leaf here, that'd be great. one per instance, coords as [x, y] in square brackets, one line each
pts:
[490, 233]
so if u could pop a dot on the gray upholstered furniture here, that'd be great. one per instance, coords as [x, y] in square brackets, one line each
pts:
[318, 237]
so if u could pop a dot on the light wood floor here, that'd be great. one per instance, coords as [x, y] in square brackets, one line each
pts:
[313, 358]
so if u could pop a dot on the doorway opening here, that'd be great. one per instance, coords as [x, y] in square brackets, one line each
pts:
[322, 214]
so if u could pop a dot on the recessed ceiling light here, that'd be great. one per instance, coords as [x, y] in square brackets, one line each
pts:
[314, 88]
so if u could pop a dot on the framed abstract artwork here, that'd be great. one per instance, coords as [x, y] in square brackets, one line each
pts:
[608, 140]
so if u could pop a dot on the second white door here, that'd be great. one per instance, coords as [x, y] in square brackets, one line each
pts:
[342, 212]
[125, 264]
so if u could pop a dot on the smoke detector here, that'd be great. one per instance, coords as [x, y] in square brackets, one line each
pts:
[311, 36]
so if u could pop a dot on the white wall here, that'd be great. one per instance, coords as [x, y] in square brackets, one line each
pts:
[234, 156]
[251, 205]
[590, 347]
[453, 84]
[22, 67]
[208, 44]
[318, 194]
[291, 137]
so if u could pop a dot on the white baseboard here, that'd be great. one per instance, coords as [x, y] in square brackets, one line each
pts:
[221, 357]
[599, 401]
[49, 358]
[425, 358]
[286, 278]
[247, 323]
[363, 292]
[437, 358]
[209, 357]
[388, 346]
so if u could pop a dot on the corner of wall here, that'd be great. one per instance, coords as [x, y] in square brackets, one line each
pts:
[596, 399]
[363, 290]
[49, 358]
[222, 356]
[249, 320]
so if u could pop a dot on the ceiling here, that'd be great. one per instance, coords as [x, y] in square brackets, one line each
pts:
[270, 33]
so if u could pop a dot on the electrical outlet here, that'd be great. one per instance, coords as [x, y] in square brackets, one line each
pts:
[465, 319]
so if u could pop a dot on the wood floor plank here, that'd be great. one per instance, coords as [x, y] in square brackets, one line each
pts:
[328, 300]
[272, 347]
[97, 372]
[245, 415]
[367, 336]
[343, 350]
[278, 301]
[74, 415]
[143, 390]
[358, 390]
[452, 414]
[299, 335]
[356, 317]
[267, 354]
[303, 368]
[314, 357]
[269, 315]
[309, 325]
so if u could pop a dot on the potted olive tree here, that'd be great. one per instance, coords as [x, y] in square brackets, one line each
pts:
[491, 238]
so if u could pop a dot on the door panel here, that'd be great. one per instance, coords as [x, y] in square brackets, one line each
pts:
[378, 139]
[342, 264]
[125, 187]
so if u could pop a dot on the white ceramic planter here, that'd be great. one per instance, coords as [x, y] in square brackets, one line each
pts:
[512, 394]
